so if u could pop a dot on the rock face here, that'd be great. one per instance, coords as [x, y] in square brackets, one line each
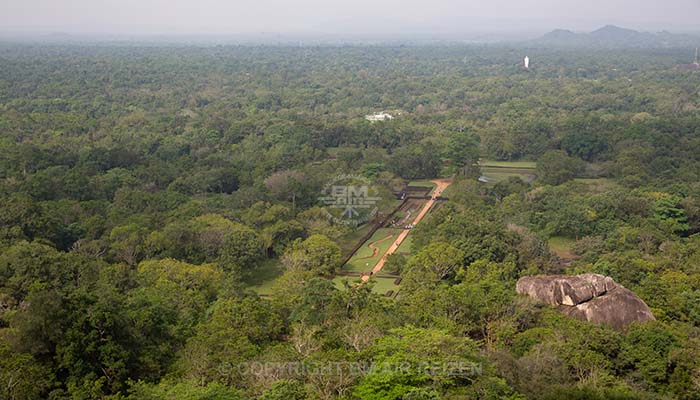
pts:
[588, 297]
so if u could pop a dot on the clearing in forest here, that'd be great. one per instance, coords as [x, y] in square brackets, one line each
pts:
[373, 246]
[370, 252]
[497, 171]
[440, 186]
[561, 246]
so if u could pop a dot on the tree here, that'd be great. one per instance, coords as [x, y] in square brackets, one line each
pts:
[645, 353]
[127, 243]
[510, 186]
[233, 334]
[472, 231]
[28, 266]
[19, 217]
[400, 357]
[21, 376]
[583, 144]
[210, 231]
[416, 161]
[250, 316]
[372, 170]
[317, 254]
[555, 167]
[186, 389]
[280, 234]
[318, 220]
[315, 303]
[287, 185]
[285, 390]
[463, 151]
[172, 297]
[670, 213]
[436, 261]
[241, 250]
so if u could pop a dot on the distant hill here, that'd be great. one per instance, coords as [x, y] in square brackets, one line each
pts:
[612, 32]
[617, 37]
[560, 34]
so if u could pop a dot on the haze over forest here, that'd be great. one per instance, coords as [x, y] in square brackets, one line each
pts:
[444, 19]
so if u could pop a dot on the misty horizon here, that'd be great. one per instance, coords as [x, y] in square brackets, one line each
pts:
[361, 18]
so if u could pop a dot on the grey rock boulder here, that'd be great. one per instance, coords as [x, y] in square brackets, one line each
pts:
[588, 297]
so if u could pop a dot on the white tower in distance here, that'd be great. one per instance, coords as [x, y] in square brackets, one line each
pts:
[526, 62]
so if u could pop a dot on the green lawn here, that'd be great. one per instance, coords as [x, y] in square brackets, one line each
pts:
[383, 285]
[265, 277]
[499, 171]
[405, 246]
[508, 164]
[523, 171]
[338, 281]
[348, 242]
[399, 214]
[422, 184]
[360, 261]
[495, 177]
[561, 246]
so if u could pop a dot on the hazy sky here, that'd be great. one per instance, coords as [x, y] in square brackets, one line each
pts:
[341, 16]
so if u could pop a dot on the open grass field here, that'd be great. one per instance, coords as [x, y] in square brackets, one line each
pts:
[422, 184]
[405, 247]
[500, 176]
[499, 171]
[262, 282]
[367, 256]
[508, 164]
[522, 171]
[561, 246]
[383, 285]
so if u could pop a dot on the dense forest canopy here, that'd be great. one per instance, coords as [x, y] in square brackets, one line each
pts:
[147, 192]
